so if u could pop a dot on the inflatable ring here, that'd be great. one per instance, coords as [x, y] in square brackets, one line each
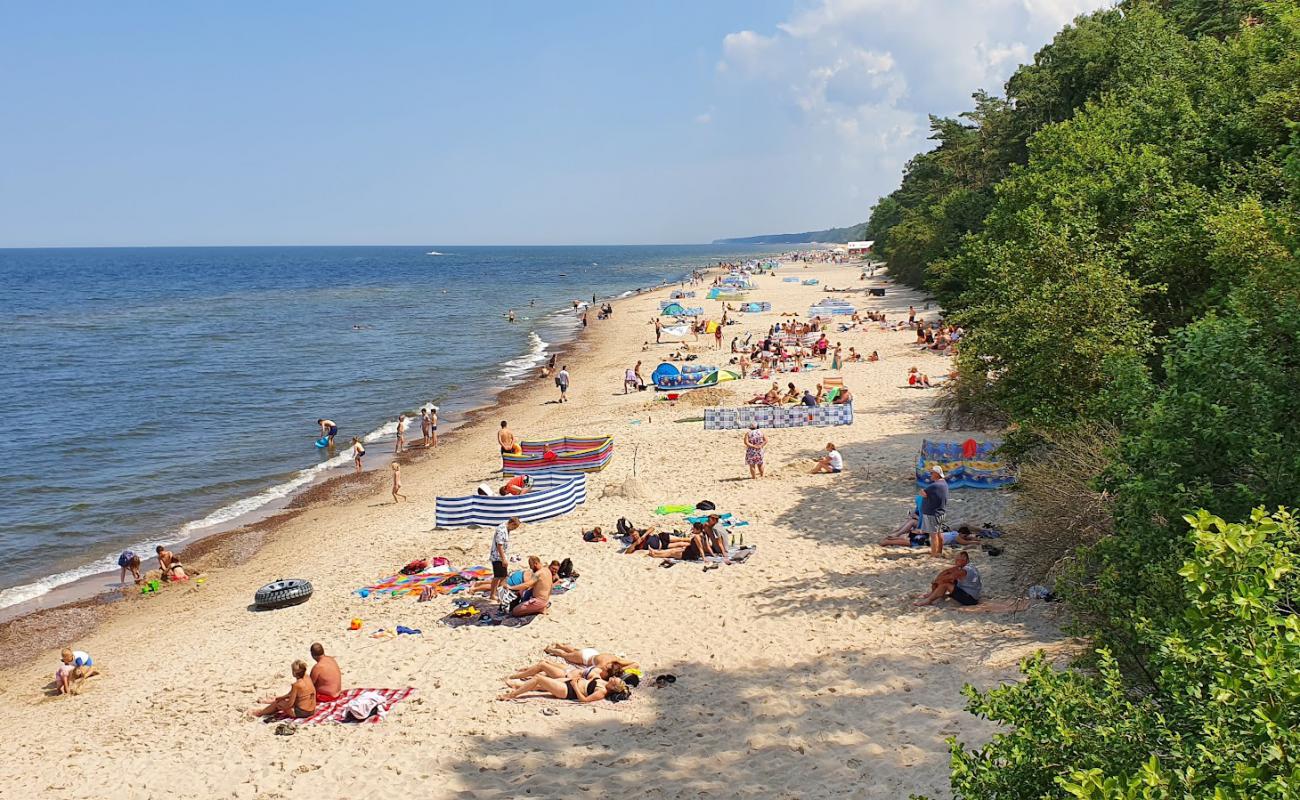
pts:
[282, 594]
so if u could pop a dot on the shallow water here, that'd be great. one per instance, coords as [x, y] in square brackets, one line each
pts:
[148, 394]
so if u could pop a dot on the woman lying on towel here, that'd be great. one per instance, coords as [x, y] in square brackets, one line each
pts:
[614, 665]
[566, 672]
[576, 689]
[299, 701]
[649, 540]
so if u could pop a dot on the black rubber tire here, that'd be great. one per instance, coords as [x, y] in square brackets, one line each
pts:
[283, 593]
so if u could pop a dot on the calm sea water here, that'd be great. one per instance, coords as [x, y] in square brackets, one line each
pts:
[147, 394]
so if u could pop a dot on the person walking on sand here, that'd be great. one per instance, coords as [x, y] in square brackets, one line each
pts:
[424, 427]
[358, 452]
[505, 439]
[433, 426]
[659, 330]
[401, 434]
[397, 481]
[755, 442]
[562, 381]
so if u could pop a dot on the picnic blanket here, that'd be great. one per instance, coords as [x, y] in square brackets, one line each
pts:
[739, 555]
[490, 612]
[412, 585]
[335, 710]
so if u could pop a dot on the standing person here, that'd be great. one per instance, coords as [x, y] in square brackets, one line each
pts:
[584, 319]
[499, 554]
[717, 337]
[329, 429]
[911, 315]
[424, 427]
[836, 362]
[755, 442]
[129, 561]
[562, 381]
[933, 507]
[433, 426]
[397, 481]
[401, 433]
[659, 329]
[505, 439]
[358, 451]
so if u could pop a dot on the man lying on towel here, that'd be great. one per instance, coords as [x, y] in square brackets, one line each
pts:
[535, 591]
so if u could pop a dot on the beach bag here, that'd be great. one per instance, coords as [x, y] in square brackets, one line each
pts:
[419, 565]
[624, 527]
[363, 706]
[705, 505]
[440, 562]
[484, 490]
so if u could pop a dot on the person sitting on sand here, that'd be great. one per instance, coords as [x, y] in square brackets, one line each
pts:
[299, 701]
[791, 395]
[844, 398]
[713, 540]
[875, 356]
[177, 572]
[575, 689]
[519, 484]
[165, 558]
[535, 592]
[129, 561]
[854, 356]
[961, 582]
[325, 674]
[833, 461]
[589, 656]
[770, 398]
[74, 668]
[505, 439]
[809, 399]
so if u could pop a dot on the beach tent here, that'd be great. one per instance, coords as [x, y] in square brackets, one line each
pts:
[567, 455]
[678, 310]
[753, 307]
[668, 378]
[551, 496]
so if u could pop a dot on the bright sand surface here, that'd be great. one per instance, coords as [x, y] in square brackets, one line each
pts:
[803, 673]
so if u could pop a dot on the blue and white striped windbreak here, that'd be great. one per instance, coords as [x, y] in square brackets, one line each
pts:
[551, 496]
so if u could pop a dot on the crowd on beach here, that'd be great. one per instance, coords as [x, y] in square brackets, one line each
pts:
[584, 674]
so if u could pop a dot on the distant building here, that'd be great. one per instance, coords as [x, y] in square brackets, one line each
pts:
[860, 248]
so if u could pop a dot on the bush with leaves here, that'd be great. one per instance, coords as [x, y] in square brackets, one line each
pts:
[1216, 715]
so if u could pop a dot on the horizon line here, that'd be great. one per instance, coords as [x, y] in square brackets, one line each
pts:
[214, 246]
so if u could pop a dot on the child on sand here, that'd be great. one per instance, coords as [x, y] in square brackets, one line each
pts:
[397, 482]
[358, 450]
[77, 666]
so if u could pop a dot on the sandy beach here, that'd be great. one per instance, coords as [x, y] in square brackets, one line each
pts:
[803, 672]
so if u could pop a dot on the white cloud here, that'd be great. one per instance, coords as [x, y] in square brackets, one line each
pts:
[705, 118]
[861, 76]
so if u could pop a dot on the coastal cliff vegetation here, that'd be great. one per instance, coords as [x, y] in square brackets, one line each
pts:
[1118, 233]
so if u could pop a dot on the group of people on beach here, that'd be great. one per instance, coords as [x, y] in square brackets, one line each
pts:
[583, 675]
[324, 683]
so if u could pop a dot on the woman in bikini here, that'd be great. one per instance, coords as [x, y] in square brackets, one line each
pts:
[577, 689]
[590, 656]
[299, 702]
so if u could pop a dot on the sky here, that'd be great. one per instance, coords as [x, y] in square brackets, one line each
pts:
[676, 121]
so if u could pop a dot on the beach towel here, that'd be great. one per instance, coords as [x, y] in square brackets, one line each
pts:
[336, 710]
[488, 617]
[415, 585]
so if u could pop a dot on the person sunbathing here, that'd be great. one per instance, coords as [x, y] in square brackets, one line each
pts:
[325, 676]
[562, 672]
[299, 701]
[875, 356]
[771, 398]
[690, 550]
[915, 538]
[575, 689]
[791, 395]
[844, 397]
[649, 540]
[589, 656]
[961, 582]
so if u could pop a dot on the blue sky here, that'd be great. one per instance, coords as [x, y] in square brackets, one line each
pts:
[478, 123]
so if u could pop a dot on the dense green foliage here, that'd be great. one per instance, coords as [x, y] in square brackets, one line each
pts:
[1117, 235]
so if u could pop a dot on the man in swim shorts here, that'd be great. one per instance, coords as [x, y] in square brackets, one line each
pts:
[325, 674]
[536, 590]
[505, 439]
[519, 484]
[328, 428]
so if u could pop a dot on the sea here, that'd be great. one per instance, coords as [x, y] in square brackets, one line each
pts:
[152, 395]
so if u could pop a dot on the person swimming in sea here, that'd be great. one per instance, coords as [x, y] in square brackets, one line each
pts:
[510, 315]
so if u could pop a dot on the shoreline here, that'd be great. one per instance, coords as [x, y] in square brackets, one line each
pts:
[212, 546]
